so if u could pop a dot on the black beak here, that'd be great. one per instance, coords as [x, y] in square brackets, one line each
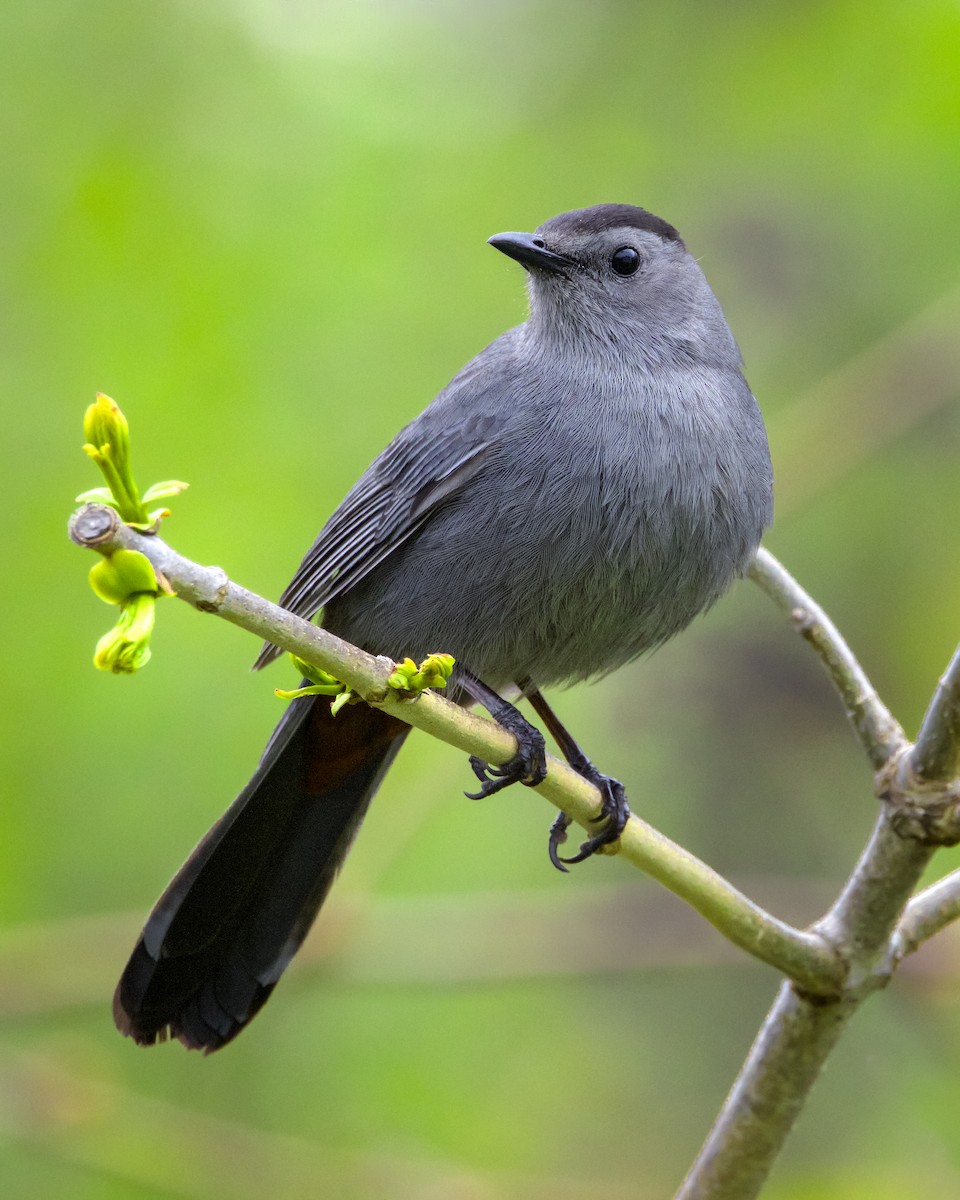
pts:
[531, 252]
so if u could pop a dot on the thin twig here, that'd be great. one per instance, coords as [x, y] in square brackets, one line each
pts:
[878, 731]
[931, 910]
[802, 955]
[936, 756]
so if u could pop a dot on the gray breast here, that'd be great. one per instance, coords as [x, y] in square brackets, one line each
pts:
[594, 533]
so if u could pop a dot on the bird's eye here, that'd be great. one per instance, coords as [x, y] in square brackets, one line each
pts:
[625, 261]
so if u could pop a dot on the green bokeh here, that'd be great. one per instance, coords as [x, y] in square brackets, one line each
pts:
[260, 227]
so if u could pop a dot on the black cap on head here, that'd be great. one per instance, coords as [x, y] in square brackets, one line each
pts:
[602, 217]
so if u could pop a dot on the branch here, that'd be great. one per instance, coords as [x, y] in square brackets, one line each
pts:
[766, 1098]
[831, 967]
[800, 1031]
[927, 913]
[936, 756]
[879, 734]
[802, 955]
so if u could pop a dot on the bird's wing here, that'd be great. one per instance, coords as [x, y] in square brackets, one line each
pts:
[425, 464]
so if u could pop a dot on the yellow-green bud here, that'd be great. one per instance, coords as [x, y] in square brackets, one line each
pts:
[123, 574]
[105, 425]
[126, 648]
[433, 672]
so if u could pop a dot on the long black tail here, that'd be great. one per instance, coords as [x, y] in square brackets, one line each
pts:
[232, 918]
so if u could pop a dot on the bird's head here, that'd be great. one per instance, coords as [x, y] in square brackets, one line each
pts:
[617, 275]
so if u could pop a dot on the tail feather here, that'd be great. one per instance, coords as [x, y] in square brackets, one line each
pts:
[232, 918]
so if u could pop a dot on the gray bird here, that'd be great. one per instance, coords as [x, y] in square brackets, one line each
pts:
[578, 493]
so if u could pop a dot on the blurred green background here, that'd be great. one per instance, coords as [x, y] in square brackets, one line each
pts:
[260, 227]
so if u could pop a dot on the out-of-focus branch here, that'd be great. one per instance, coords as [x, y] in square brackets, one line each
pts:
[879, 733]
[862, 403]
[802, 955]
[65, 1108]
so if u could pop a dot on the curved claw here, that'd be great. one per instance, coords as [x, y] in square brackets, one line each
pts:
[614, 810]
[558, 835]
[590, 847]
[491, 778]
[528, 767]
[479, 768]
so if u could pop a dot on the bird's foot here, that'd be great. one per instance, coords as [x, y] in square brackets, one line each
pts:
[528, 766]
[614, 813]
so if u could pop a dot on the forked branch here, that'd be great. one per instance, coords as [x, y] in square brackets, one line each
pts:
[830, 968]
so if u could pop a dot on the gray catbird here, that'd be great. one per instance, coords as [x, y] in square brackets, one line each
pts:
[574, 497]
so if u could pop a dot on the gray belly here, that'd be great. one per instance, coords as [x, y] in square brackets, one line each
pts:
[583, 542]
[574, 592]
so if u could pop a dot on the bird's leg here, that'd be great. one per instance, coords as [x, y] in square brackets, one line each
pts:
[528, 765]
[614, 811]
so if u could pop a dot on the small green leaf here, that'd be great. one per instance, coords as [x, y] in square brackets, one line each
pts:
[318, 676]
[97, 496]
[164, 491]
[313, 689]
